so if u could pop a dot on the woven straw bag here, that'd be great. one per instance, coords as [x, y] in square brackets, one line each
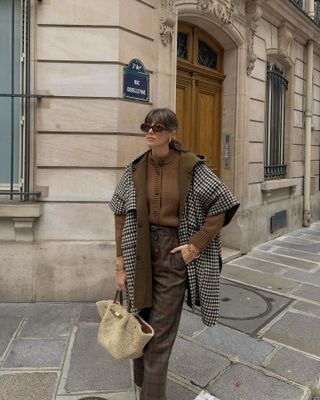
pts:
[122, 333]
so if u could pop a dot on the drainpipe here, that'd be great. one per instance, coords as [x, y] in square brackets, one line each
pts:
[308, 122]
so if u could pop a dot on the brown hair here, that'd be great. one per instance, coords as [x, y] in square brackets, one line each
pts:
[167, 118]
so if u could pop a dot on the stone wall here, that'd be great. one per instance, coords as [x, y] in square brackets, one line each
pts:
[84, 134]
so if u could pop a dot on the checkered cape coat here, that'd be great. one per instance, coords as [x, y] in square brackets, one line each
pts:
[206, 196]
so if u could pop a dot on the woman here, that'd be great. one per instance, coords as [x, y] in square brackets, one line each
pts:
[169, 208]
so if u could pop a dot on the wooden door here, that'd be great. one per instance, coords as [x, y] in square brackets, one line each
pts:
[198, 99]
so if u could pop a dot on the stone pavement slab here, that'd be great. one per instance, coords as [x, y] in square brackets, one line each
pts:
[237, 344]
[244, 383]
[13, 309]
[260, 265]
[312, 278]
[308, 292]
[36, 353]
[28, 386]
[296, 330]
[296, 253]
[300, 243]
[260, 279]
[9, 325]
[314, 230]
[285, 260]
[190, 323]
[91, 368]
[100, 396]
[313, 238]
[89, 313]
[49, 319]
[295, 366]
[195, 363]
[308, 308]
[177, 392]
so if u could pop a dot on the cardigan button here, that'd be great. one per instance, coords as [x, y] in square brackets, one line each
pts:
[139, 258]
[140, 224]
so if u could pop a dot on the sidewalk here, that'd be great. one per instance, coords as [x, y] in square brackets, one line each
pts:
[266, 346]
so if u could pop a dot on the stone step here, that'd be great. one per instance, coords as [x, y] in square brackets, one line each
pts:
[229, 254]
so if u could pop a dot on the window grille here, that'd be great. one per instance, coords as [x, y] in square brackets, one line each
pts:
[277, 86]
[298, 3]
[317, 12]
[15, 99]
[206, 55]
[182, 45]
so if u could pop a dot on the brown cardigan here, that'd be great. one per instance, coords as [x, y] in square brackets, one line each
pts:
[163, 201]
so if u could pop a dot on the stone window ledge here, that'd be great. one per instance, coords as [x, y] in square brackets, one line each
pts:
[268, 187]
[23, 216]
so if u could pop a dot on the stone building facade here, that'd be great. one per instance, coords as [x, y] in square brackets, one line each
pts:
[244, 77]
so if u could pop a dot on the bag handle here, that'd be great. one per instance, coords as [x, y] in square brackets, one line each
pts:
[119, 295]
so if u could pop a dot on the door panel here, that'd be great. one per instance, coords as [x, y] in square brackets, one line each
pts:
[209, 123]
[198, 100]
[183, 109]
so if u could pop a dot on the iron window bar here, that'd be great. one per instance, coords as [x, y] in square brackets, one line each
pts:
[317, 12]
[298, 3]
[37, 96]
[9, 193]
[277, 85]
[22, 188]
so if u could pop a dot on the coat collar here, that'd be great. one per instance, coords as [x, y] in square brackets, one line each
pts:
[188, 161]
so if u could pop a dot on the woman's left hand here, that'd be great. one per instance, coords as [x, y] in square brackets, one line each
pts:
[187, 255]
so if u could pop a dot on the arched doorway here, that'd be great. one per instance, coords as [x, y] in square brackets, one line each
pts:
[198, 101]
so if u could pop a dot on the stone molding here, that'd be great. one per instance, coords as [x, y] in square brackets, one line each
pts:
[285, 39]
[167, 20]
[253, 14]
[23, 216]
[267, 187]
[222, 10]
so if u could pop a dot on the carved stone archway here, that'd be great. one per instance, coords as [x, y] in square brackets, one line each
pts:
[222, 11]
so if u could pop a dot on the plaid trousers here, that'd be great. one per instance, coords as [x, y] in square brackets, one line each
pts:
[169, 275]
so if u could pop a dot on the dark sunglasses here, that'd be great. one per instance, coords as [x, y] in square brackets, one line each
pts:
[157, 128]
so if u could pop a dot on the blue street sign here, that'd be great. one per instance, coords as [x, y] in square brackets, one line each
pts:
[135, 81]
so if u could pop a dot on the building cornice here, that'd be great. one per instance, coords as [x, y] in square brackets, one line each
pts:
[303, 27]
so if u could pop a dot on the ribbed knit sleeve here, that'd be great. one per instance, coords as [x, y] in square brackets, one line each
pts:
[119, 222]
[208, 231]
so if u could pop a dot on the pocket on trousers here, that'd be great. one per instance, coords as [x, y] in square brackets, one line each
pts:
[180, 258]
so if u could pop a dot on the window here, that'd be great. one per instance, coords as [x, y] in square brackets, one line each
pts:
[317, 11]
[14, 97]
[206, 55]
[277, 86]
[182, 45]
[196, 48]
[299, 3]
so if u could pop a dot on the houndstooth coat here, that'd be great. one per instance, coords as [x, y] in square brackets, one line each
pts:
[202, 194]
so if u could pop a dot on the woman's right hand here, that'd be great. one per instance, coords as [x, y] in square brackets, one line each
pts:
[120, 277]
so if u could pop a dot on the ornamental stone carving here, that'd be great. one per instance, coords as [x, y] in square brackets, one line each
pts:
[285, 38]
[253, 14]
[167, 20]
[251, 55]
[223, 10]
